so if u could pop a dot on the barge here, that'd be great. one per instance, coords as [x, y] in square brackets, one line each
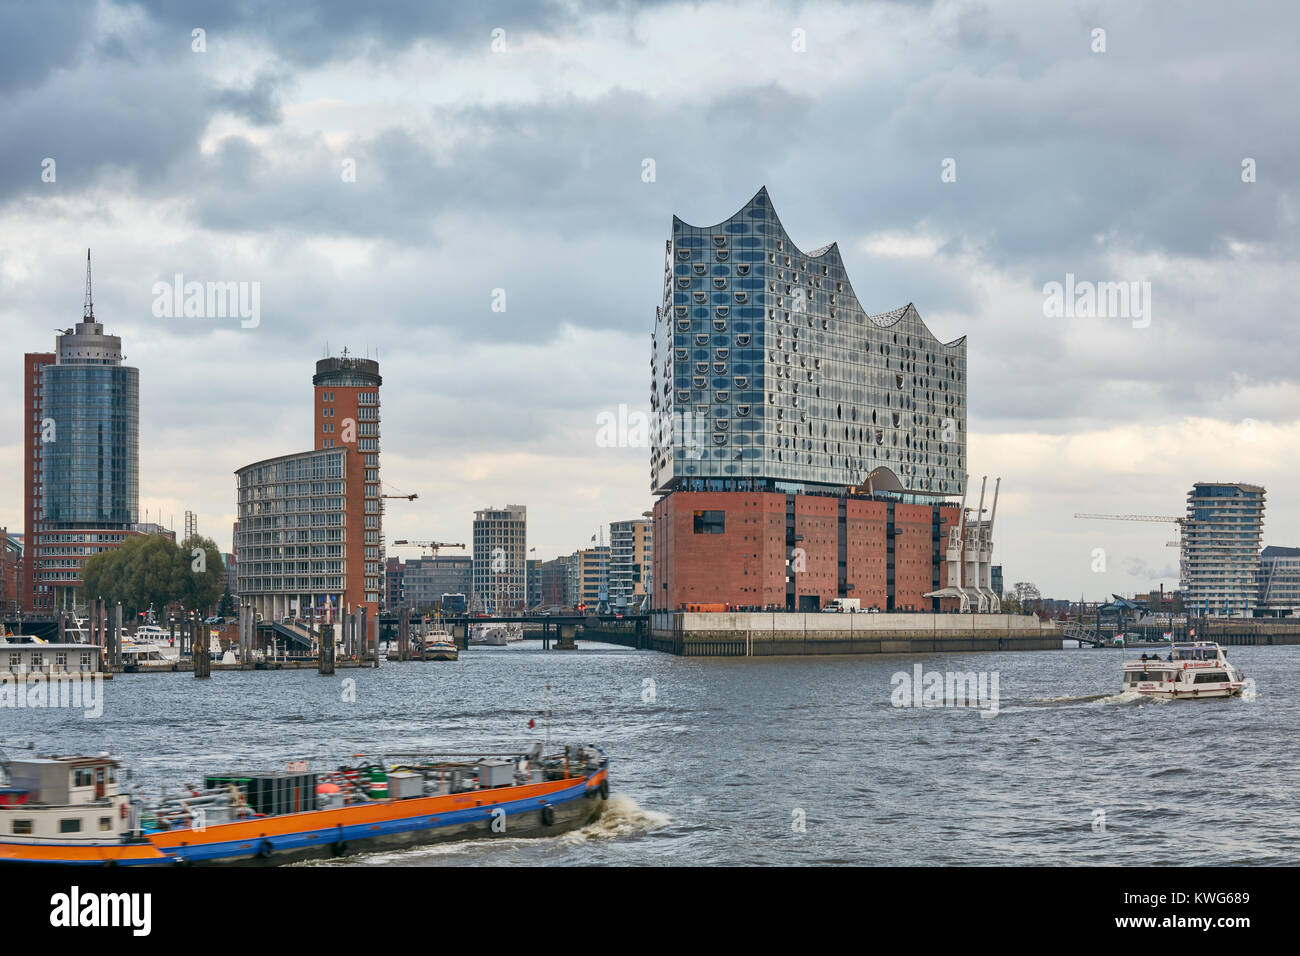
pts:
[71, 810]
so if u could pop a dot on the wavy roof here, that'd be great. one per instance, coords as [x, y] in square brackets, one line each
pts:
[831, 252]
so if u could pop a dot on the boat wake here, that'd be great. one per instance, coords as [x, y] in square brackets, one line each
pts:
[1128, 697]
[623, 817]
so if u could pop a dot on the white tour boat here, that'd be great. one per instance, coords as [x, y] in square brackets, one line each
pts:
[1189, 671]
[149, 646]
[496, 634]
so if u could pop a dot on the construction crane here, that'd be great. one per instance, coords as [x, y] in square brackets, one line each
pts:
[403, 497]
[430, 546]
[1178, 523]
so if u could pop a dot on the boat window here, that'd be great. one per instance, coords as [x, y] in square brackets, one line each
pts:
[106, 823]
[70, 826]
[1214, 677]
[22, 827]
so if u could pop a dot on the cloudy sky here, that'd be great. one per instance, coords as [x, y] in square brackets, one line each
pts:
[501, 146]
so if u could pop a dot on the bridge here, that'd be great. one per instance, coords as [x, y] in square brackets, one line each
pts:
[560, 630]
[1084, 635]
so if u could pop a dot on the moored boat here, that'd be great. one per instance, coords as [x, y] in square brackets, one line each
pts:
[497, 634]
[69, 810]
[440, 646]
[1190, 671]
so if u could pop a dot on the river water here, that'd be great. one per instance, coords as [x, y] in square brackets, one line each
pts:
[784, 761]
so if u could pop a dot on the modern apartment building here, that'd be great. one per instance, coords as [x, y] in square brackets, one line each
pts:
[81, 422]
[630, 548]
[1279, 582]
[394, 581]
[426, 579]
[802, 449]
[500, 572]
[592, 576]
[292, 535]
[553, 582]
[1220, 548]
[534, 582]
[310, 526]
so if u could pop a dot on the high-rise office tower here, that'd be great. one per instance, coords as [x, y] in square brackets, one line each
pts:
[81, 457]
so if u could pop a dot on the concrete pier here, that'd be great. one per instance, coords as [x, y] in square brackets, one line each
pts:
[762, 634]
[567, 642]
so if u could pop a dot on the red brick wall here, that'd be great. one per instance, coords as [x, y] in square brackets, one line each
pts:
[817, 519]
[744, 566]
[866, 552]
[346, 406]
[33, 363]
[913, 557]
[949, 515]
[747, 564]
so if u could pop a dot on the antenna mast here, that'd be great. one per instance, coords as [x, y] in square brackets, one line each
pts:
[88, 309]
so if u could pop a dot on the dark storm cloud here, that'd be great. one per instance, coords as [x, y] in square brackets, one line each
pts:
[259, 102]
[1062, 154]
[37, 39]
[313, 32]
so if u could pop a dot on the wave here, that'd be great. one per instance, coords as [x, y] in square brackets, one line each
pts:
[623, 817]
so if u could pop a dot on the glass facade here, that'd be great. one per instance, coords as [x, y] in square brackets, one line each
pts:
[765, 366]
[92, 473]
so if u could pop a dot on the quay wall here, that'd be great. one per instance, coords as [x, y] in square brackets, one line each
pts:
[759, 634]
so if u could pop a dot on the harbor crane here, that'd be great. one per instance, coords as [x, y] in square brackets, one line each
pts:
[431, 546]
[1178, 523]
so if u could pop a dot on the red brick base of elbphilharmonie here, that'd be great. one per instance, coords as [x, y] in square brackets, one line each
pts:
[736, 548]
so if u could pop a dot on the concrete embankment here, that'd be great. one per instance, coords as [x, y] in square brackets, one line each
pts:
[758, 634]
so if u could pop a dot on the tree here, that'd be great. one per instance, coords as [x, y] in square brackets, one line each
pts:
[198, 574]
[1026, 596]
[227, 606]
[149, 569]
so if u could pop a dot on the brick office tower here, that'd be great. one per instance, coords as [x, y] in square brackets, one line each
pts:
[803, 450]
[36, 599]
[347, 416]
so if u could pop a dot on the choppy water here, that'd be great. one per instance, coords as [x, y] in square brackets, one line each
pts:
[729, 755]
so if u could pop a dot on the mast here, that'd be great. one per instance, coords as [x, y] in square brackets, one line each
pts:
[88, 308]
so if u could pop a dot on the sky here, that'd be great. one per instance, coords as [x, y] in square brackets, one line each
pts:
[478, 195]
